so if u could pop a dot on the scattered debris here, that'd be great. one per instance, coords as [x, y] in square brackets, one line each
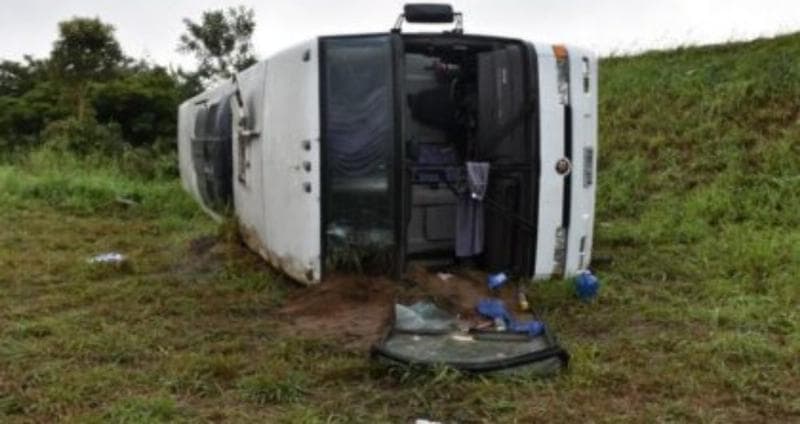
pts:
[496, 310]
[108, 258]
[125, 201]
[357, 310]
[457, 295]
[496, 280]
[424, 320]
[425, 335]
[429, 318]
[423, 317]
[586, 286]
[522, 300]
[444, 276]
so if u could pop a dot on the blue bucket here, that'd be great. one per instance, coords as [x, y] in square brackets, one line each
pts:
[586, 286]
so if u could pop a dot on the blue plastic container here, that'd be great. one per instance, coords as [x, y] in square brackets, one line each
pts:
[496, 280]
[586, 286]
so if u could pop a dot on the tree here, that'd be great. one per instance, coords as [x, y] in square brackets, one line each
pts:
[144, 103]
[190, 83]
[221, 42]
[28, 102]
[16, 78]
[85, 52]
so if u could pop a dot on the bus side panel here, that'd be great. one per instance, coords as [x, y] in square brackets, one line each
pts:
[583, 98]
[248, 194]
[291, 163]
[551, 184]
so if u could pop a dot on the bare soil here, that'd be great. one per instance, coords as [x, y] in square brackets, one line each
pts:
[357, 310]
[353, 310]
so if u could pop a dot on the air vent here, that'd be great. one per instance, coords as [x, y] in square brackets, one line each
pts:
[588, 166]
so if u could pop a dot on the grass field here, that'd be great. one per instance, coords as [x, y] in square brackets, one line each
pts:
[698, 318]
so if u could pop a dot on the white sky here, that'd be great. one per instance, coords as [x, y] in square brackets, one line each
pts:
[150, 28]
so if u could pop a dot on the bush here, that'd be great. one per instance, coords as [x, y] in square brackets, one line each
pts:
[22, 118]
[157, 161]
[84, 137]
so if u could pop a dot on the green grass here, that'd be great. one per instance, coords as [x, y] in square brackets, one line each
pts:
[698, 317]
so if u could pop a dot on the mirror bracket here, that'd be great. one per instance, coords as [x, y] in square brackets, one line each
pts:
[429, 13]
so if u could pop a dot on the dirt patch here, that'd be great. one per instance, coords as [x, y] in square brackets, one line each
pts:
[208, 254]
[204, 255]
[353, 310]
[357, 310]
[202, 245]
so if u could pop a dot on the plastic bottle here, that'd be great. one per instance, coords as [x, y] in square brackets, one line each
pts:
[524, 306]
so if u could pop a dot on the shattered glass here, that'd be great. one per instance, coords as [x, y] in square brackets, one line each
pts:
[424, 334]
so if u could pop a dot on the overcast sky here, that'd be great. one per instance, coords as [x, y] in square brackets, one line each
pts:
[150, 28]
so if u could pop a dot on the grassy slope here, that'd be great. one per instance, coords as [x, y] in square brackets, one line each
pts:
[699, 315]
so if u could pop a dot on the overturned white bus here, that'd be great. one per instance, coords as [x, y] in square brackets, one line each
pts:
[424, 146]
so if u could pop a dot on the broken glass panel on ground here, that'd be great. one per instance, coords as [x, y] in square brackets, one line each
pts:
[424, 335]
[430, 318]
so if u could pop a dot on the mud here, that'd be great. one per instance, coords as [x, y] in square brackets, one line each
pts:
[354, 311]
[357, 311]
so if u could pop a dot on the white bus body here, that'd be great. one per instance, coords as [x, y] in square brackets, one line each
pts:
[354, 143]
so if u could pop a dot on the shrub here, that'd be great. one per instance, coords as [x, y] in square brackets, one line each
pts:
[144, 104]
[83, 137]
[159, 161]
